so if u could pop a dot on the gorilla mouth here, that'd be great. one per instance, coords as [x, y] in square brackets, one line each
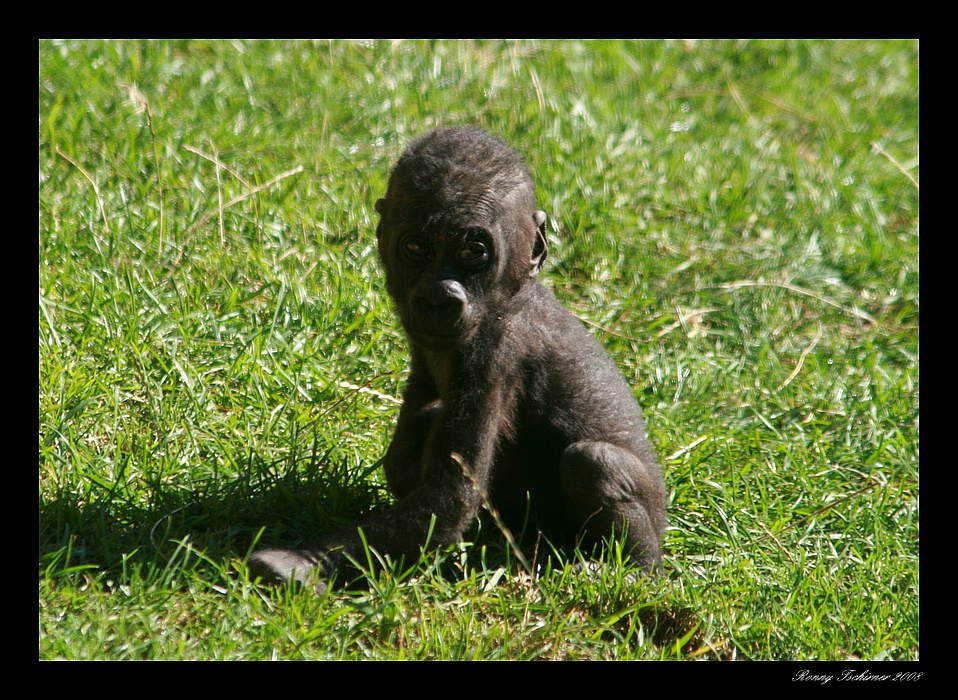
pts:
[430, 330]
[452, 336]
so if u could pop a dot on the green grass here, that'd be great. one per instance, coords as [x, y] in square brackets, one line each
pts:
[218, 360]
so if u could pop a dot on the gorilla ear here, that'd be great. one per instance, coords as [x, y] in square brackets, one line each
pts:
[541, 247]
[380, 205]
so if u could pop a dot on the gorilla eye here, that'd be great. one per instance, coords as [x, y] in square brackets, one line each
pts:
[472, 255]
[415, 249]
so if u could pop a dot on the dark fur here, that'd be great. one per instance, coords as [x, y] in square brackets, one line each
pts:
[508, 393]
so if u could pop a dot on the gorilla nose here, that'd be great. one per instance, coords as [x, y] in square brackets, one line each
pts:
[440, 305]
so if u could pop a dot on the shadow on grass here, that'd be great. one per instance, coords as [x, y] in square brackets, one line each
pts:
[289, 505]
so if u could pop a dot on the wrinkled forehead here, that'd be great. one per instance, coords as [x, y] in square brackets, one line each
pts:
[458, 194]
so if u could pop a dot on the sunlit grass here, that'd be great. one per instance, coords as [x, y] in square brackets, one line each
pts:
[737, 222]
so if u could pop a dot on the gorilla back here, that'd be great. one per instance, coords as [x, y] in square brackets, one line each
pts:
[508, 394]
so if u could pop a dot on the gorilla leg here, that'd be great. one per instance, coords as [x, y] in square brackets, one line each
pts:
[614, 492]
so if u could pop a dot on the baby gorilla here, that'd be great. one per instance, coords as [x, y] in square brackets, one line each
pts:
[509, 398]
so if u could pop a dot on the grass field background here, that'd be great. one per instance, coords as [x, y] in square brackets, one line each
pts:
[736, 221]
